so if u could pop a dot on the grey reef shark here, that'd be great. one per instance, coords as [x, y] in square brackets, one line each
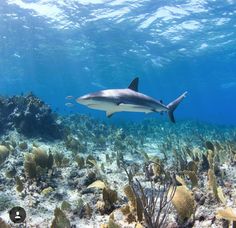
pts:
[128, 100]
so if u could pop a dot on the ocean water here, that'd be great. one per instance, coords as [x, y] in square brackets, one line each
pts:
[60, 48]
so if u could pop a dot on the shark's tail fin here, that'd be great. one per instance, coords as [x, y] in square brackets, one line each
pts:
[173, 105]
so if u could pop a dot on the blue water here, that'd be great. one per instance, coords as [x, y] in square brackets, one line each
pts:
[72, 47]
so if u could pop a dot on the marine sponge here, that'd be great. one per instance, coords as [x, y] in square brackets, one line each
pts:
[183, 202]
[60, 220]
[4, 152]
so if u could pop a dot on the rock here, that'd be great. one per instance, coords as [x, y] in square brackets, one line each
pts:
[201, 218]
[88, 179]
[72, 183]
[108, 171]
[172, 225]
[206, 223]
[202, 200]
[47, 191]
[199, 197]
[59, 196]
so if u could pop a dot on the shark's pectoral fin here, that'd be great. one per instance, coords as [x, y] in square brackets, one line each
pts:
[109, 114]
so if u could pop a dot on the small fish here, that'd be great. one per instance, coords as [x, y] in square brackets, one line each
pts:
[16, 55]
[69, 97]
[70, 105]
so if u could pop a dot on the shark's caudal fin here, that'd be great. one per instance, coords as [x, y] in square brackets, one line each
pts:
[173, 105]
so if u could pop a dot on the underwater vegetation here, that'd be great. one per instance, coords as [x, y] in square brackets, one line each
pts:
[147, 174]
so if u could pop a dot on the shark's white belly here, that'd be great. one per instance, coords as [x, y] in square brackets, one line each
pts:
[112, 108]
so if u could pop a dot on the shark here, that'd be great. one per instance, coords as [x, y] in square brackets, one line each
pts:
[128, 100]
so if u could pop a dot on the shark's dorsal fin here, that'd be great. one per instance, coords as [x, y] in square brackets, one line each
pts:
[134, 85]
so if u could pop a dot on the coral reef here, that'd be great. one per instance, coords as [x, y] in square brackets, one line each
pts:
[29, 116]
[5, 202]
[147, 174]
[4, 152]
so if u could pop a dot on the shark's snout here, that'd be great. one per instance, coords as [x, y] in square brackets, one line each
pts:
[83, 99]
